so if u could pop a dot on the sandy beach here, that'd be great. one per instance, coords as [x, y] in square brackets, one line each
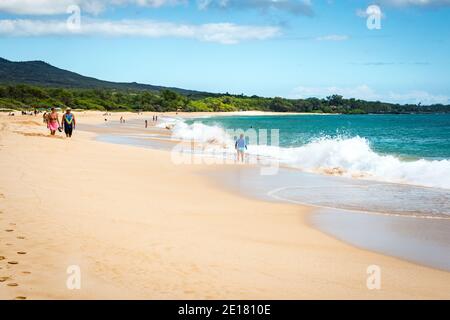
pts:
[141, 227]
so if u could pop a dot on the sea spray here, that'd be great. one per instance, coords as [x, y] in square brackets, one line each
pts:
[351, 157]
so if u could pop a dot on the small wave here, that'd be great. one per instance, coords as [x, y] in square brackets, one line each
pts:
[197, 132]
[350, 157]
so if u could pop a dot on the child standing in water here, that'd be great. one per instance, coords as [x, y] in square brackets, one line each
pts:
[241, 146]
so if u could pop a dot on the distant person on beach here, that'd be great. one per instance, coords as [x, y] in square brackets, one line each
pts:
[121, 119]
[53, 123]
[44, 117]
[146, 124]
[241, 146]
[68, 121]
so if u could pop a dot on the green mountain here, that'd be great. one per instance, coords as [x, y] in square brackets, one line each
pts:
[39, 73]
[36, 84]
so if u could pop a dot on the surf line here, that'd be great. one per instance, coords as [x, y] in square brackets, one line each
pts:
[273, 194]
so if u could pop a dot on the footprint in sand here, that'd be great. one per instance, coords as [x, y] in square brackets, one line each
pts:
[3, 279]
[12, 285]
[21, 298]
[13, 262]
[21, 238]
[26, 272]
[2, 258]
[21, 252]
[9, 230]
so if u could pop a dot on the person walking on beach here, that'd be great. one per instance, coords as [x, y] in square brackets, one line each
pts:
[146, 124]
[68, 122]
[241, 146]
[53, 123]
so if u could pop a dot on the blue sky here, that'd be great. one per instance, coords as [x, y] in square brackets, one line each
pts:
[288, 48]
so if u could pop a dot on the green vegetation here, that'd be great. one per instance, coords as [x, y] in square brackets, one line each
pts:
[29, 97]
[36, 84]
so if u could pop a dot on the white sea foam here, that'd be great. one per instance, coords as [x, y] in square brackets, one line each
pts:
[351, 157]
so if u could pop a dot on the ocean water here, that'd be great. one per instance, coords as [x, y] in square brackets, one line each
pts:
[406, 136]
[406, 149]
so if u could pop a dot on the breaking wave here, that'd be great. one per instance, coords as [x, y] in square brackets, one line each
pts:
[350, 157]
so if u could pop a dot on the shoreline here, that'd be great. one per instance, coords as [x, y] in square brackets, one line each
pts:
[423, 240]
[183, 114]
[164, 135]
[188, 248]
[165, 143]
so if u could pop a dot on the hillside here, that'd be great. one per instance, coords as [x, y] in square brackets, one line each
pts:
[36, 84]
[39, 73]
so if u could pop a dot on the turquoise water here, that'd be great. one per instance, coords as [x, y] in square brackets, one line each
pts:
[406, 149]
[409, 136]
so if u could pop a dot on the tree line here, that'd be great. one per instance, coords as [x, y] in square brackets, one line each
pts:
[30, 97]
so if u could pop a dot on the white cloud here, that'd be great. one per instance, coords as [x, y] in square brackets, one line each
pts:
[365, 13]
[53, 7]
[48, 7]
[147, 3]
[333, 37]
[224, 33]
[416, 3]
[299, 7]
[419, 96]
[364, 92]
[370, 11]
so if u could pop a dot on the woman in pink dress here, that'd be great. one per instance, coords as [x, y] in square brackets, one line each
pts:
[53, 122]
